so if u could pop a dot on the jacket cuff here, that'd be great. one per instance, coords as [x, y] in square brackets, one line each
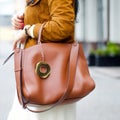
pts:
[31, 31]
[36, 30]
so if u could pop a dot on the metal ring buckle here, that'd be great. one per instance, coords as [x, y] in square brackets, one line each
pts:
[42, 69]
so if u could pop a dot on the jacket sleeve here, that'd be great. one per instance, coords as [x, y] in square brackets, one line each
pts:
[61, 23]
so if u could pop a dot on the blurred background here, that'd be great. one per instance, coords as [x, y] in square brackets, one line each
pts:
[98, 28]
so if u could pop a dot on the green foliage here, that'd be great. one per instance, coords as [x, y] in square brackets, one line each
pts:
[92, 52]
[111, 49]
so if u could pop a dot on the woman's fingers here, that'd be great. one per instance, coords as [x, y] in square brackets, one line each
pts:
[21, 16]
[18, 21]
[17, 25]
[15, 44]
[20, 38]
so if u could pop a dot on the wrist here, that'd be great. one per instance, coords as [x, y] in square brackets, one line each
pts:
[29, 30]
[26, 30]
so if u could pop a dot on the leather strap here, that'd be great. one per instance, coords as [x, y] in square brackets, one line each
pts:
[72, 67]
[22, 100]
[6, 60]
[11, 54]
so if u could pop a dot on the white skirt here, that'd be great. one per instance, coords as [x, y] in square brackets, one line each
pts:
[61, 112]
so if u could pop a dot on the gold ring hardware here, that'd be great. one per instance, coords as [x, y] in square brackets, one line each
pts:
[42, 69]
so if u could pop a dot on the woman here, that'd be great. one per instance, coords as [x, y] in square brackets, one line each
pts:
[59, 16]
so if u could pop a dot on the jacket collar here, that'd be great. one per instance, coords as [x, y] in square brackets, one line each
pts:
[32, 2]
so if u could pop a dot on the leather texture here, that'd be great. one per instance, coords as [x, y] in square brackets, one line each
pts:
[69, 78]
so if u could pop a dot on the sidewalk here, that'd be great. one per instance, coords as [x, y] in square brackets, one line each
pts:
[5, 48]
[113, 72]
[104, 102]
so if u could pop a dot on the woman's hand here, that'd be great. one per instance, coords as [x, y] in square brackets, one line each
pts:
[20, 38]
[18, 21]
[18, 24]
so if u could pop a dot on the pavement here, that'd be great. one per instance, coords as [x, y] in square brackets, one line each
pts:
[102, 104]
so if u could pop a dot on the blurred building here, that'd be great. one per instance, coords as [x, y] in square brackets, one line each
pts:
[115, 20]
[98, 21]
[7, 9]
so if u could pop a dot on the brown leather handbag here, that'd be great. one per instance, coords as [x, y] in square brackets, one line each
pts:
[50, 74]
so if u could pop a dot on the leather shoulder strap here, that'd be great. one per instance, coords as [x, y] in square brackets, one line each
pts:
[6, 60]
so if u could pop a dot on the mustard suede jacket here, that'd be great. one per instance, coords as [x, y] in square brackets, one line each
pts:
[59, 17]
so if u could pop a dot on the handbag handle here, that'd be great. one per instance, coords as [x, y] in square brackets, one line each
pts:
[71, 75]
[19, 46]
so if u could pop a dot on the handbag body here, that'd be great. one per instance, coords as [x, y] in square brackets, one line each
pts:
[51, 74]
